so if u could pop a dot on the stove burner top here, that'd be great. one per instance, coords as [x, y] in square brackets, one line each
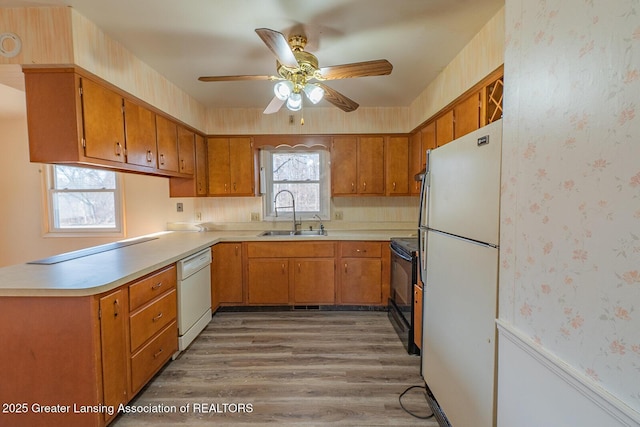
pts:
[407, 246]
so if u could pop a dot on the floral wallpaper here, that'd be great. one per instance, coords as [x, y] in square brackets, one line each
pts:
[570, 214]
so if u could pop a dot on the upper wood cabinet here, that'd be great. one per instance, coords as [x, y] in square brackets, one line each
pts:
[397, 166]
[196, 186]
[167, 137]
[76, 118]
[231, 166]
[466, 115]
[444, 129]
[421, 141]
[103, 120]
[186, 150]
[140, 134]
[357, 164]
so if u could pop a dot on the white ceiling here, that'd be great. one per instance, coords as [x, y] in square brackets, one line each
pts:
[186, 39]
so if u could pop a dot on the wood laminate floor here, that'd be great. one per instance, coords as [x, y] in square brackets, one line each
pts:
[303, 368]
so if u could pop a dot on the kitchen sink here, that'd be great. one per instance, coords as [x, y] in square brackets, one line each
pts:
[293, 234]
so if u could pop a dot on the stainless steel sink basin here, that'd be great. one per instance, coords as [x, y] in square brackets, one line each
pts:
[293, 234]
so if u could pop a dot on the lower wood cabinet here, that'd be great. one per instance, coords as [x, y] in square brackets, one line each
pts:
[317, 273]
[313, 281]
[287, 273]
[361, 273]
[78, 351]
[226, 275]
[268, 281]
[417, 316]
[114, 349]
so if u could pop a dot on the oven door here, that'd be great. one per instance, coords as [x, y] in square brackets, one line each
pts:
[402, 285]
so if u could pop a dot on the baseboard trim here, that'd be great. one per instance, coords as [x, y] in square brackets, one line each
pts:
[581, 383]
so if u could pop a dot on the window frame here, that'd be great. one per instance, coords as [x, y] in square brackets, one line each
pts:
[267, 184]
[49, 217]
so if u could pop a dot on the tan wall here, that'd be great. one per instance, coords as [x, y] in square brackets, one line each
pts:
[147, 205]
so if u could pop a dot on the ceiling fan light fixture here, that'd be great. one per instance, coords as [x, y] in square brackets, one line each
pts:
[313, 92]
[294, 103]
[283, 89]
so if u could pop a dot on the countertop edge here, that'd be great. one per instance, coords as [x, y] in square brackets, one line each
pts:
[92, 275]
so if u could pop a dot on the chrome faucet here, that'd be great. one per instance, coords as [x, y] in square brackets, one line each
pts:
[319, 219]
[293, 205]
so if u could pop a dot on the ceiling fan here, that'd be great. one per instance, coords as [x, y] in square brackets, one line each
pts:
[298, 72]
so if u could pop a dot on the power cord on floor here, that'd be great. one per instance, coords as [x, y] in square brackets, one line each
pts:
[409, 412]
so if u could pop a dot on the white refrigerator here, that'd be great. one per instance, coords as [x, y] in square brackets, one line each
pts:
[458, 255]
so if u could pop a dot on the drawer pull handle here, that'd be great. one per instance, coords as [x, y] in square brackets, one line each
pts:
[158, 353]
[156, 286]
[282, 266]
[162, 159]
[149, 156]
[361, 250]
[158, 317]
[345, 267]
[116, 308]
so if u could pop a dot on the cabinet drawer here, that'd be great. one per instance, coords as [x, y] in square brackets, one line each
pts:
[291, 250]
[147, 321]
[149, 288]
[360, 249]
[146, 362]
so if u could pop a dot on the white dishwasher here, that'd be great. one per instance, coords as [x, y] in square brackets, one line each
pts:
[194, 296]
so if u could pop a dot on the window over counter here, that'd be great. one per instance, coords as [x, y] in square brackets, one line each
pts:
[302, 171]
[83, 201]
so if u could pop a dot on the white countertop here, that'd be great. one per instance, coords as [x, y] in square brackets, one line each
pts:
[101, 272]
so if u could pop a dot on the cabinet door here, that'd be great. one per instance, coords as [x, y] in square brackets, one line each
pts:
[415, 162]
[417, 316]
[226, 274]
[103, 122]
[314, 281]
[397, 166]
[467, 116]
[201, 166]
[186, 150]
[167, 137]
[241, 167]
[444, 129]
[218, 159]
[371, 165]
[361, 280]
[268, 281]
[344, 173]
[113, 336]
[140, 130]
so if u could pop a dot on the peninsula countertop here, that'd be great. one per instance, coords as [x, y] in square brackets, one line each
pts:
[101, 272]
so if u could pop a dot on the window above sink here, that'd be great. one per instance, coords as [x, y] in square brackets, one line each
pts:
[302, 171]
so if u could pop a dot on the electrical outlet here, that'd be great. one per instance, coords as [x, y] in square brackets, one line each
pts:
[179, 207]
[255, 216]
[338, 215]
[198, 216]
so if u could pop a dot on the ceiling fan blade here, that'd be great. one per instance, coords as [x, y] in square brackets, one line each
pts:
[234, 78]
[380, 67]
[339, 100]
[278, 44]
[274, 106]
